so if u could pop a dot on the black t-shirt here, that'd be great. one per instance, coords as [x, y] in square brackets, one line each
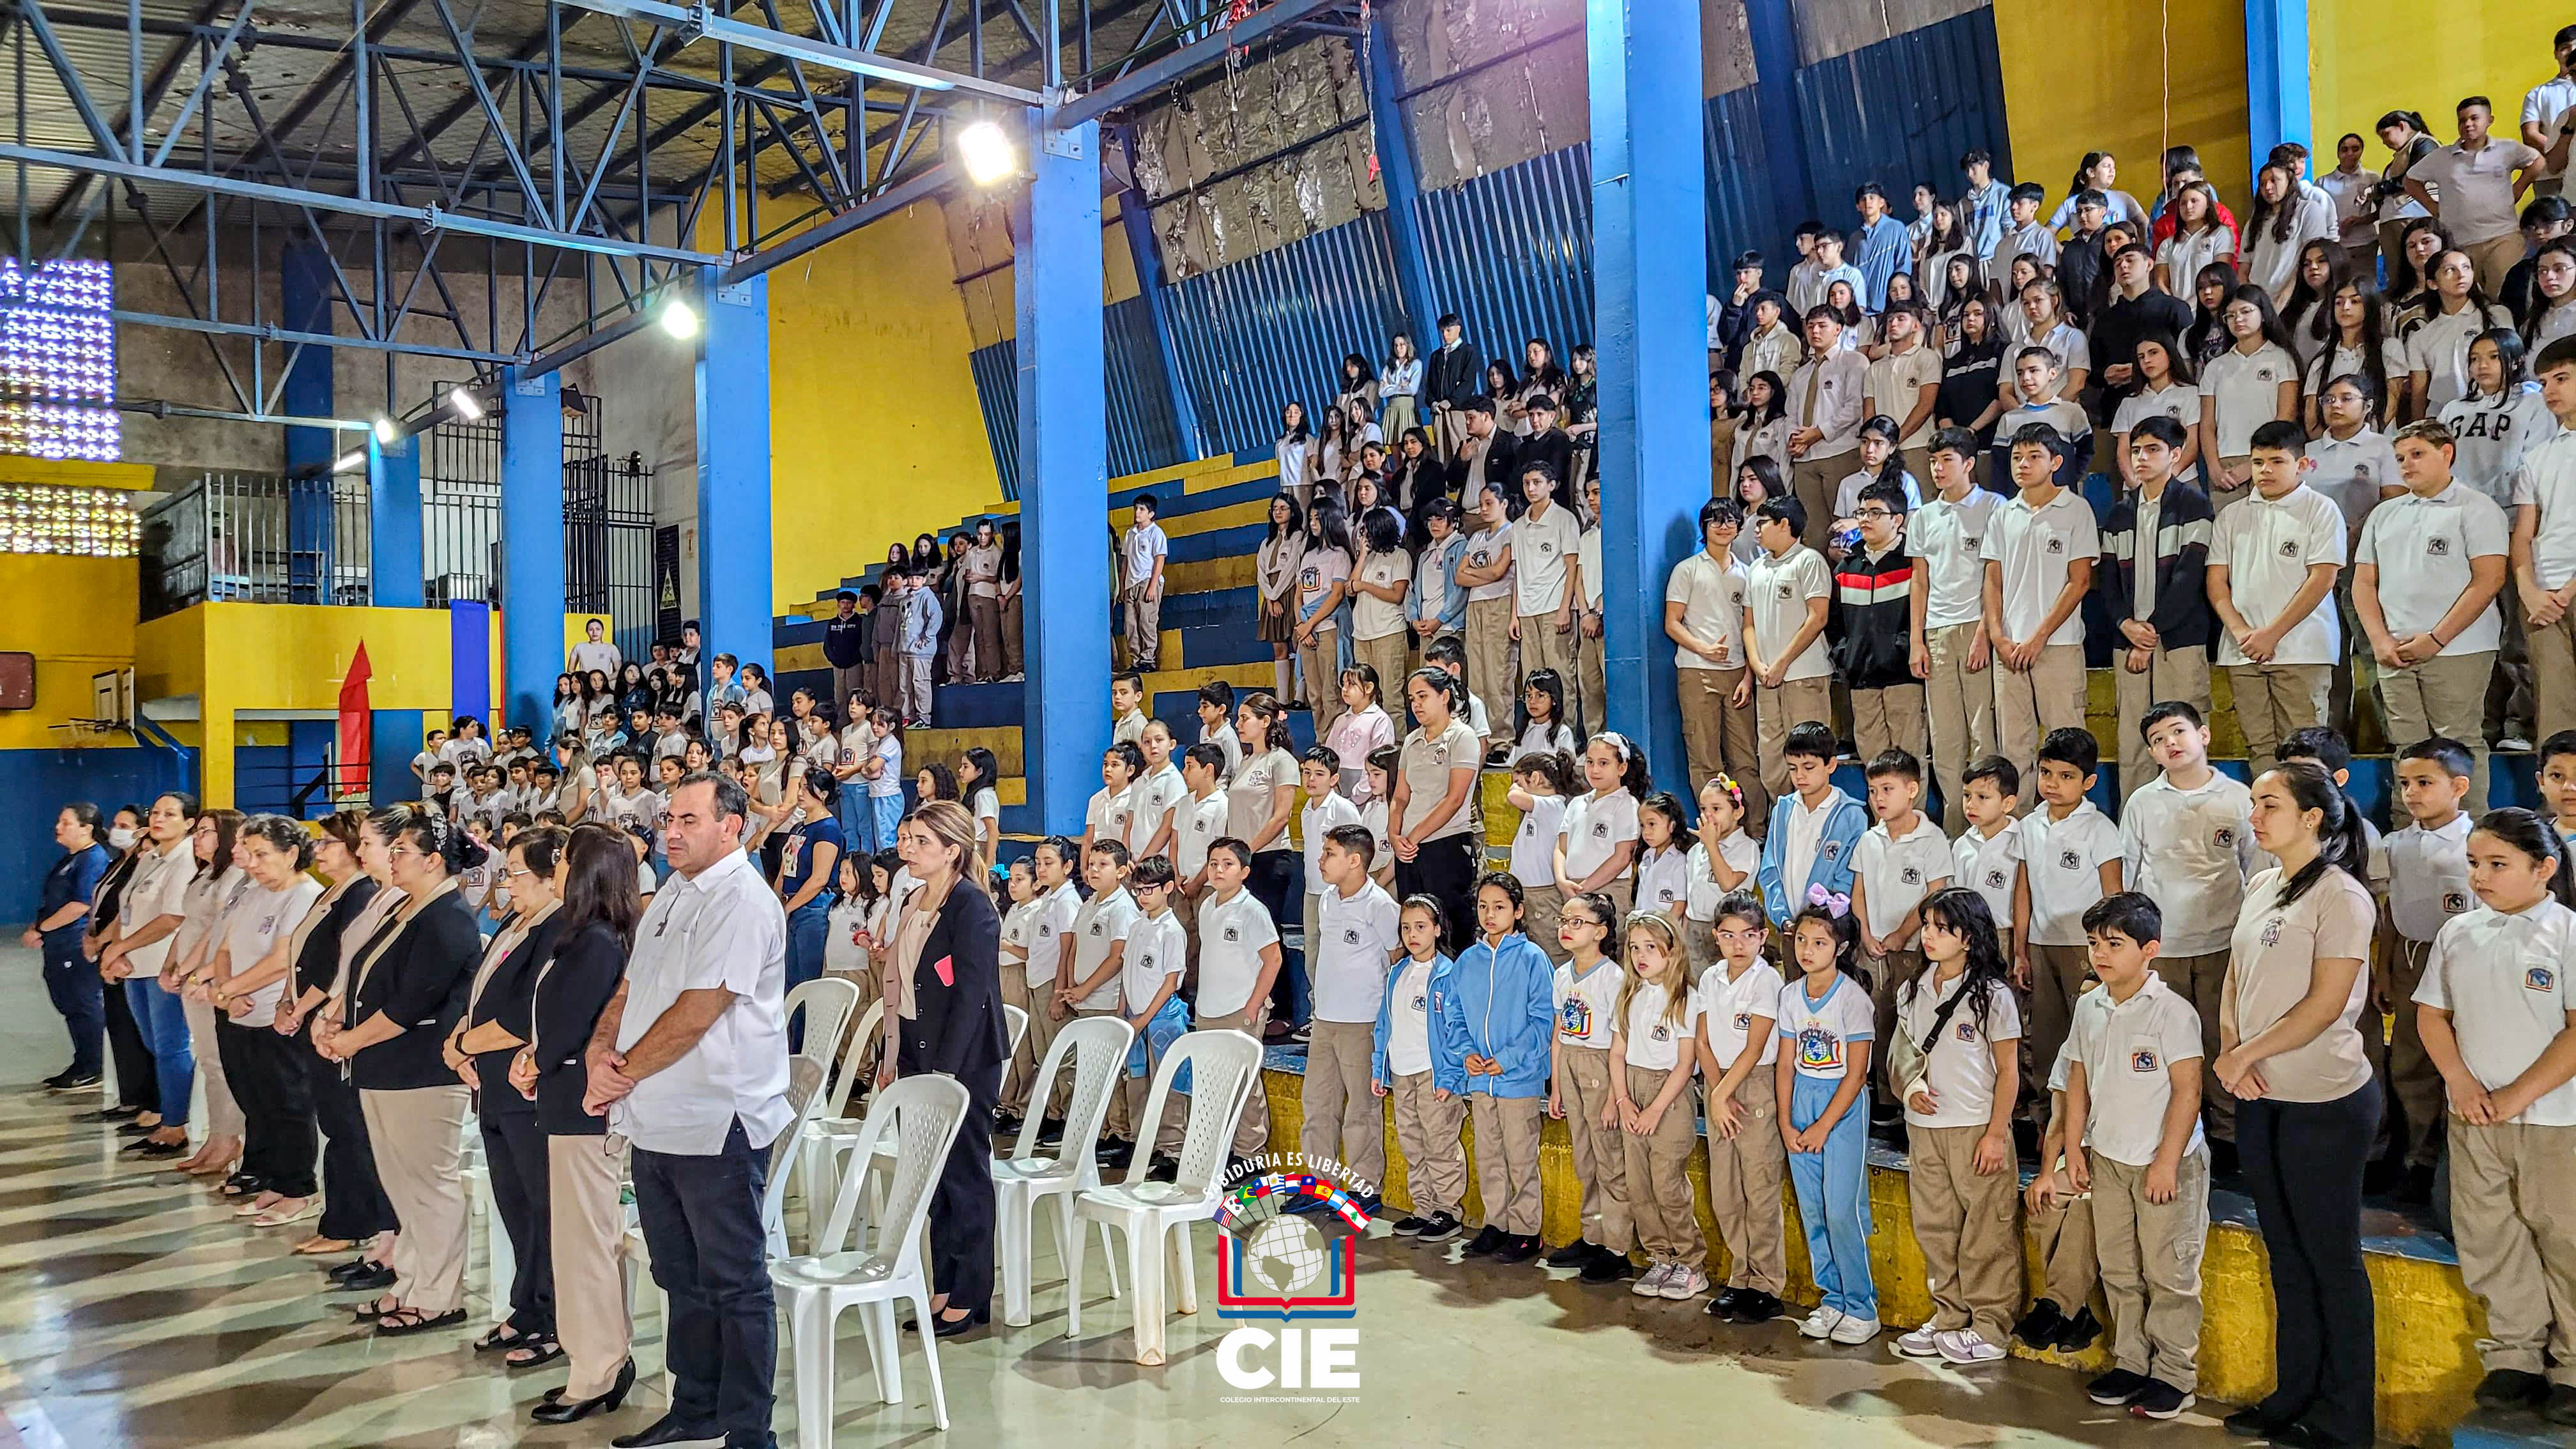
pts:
[845, 641]
[1969, 385]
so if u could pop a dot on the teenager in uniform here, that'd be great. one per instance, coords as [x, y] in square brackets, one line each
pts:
[1951, 652]
[1704, 617]
[2039, 553]
[1788, 592]
[2272, 565]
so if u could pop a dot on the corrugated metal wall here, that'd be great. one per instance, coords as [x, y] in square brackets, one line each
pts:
[1256, 334]
[1903, 111]
[1511, 253]
[1740, 211]
[1142, 432]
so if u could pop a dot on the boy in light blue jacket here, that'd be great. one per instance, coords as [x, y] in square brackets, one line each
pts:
[1496, 1014]
[1403, 1066]
[1811, 865]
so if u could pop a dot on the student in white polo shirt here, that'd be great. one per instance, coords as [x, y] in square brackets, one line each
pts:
[2273, 560]
[2544, 542]
[1198, 821]
[1238, 960]
[2470, 187]
[2424, 582]
[1904, 383]
[1050, 939]
[1088, 986]
[1946, 538]
[2253, 382]
[1357, 941]
[2039, 554]
[1903, 859]
[1788, 592]
[1704, 617]
[1149, 983]
[1547, 571]
[2428, 888]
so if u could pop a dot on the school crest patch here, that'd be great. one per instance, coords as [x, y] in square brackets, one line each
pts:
[2438, 546]
[2272, 932]
[2454, 902]
[2069, 860]
[2224, 837]
[2540, 978]
[1911, 875]
[2143, 1060]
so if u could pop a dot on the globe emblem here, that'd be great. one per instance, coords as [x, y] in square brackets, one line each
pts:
[1287, 1255]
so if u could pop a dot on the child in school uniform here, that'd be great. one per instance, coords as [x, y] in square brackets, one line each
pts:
[1111, 811]
[2061, 1220]
[1149, 982]
[1198, 822]
[2040, 549]
[1357, 942]
[1541, 783]
[1089, 984]
[1380, 777]
[1157, 790]
[1052, 862]
[1815, 829]
[2036, 373]
[2070, 858]
[1788, 593]
[1663, 857]
[2274, 557]
[1427, 1117]
[1986, 857]
[2132, 1089]
[1126, 708]
[2496, 1007]
[2544, 541]
[2427, 600]
[2557, 755]
[1873, 599]
[1738, 1053]
[1019, 927]
[2428, 889]
[1596, 842]
[1216, 723]
[1239, 960]
[1959, 1018]
[1723, 860]
[1586, 992]
[1653, 1050]
[1363, 727]
[1496, 1023]
[1319, 770]
[1898, 864]
[2155, 572]
[1946, 539]
[1826, 1030]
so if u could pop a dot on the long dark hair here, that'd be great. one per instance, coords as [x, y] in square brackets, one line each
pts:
[1846, 934]
[227, 825]
[1778, 407]
[1964, 912]
[2341, 845]
[2538, 839]
[2271, 328]
[2207, 335]
[2309, 309]
[599, 881]
[1327, 524]
[2541, 305]
[1294, 527]
[2374, 337]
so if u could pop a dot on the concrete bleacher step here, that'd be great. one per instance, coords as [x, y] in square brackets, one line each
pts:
[2495, 1429]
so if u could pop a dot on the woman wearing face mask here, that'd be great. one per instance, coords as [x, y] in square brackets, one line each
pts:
[132, 953]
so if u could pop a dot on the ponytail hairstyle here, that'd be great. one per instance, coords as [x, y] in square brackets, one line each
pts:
[2539, 839]
[1548, 765]
[2341, 844]
[1264, 706]
[1633, 775]
[1603, 912]
[1844, 930]
[1963, 912]
[1893, 470]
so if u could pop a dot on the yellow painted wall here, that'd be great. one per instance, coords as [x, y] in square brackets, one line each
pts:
[2130, 79]
[76, 615]
[2375, 56]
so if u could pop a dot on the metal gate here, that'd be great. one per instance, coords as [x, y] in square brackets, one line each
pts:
[608, 522]
[608, 541]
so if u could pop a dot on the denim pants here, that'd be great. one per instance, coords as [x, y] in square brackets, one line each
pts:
[80, 996]
[888, 811]
[163, 1018]
[1833, 1198]
[857, 823]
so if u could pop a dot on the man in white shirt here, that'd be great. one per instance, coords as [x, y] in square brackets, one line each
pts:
[2471, 187]
[595, 652]
[1704, 617]
[1826, 397]
[1142, 552]
[690, 1063]
[1547, 569]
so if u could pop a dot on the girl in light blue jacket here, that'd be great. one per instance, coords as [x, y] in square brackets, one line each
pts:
[1496, 1015]
[1405, 1066]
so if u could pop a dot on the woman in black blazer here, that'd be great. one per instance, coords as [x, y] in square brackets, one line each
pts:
[585, 1167]
[354, 1210]
[948, 987]
[405, 993]
[486, 1040]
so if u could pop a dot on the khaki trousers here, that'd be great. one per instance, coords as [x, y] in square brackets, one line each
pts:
[2553, 670]
[1960, 707]
[1657, 1170]
[1888, 719]
[1593, 669]
[583, 1179]
[1542, 910]
[2201, 980]
[1024, 1062]
[1116, 1124]
[2028, 704]
[846, 682]
[2495, 257]
[1600, 1159]
[984, 618]
[1489, 660]
[418, 1137]
[2444, 695]
[2068, 1262]
[2414, 1084]
[1718, 736]
[1019, 1095]
[1812, 481]
[1013, 638]
[1321, 663]
[1886, 974]
[1451, 426]
[1252, 1129]
[1507, 1160]
[1343, 1121]
[1544, 648]
[2150, 1256]
[1386, 656]
[1426, 1128]
[1964, 1222]
[2510, 1185]
[1744, 1173]
[890, 678]
[1144, 631]
[1776, 711]
[2181, 674]
[2056, 978]
[2271, 701]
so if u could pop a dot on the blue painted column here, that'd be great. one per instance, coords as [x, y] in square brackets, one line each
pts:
[1403, 183]
[1649, 327]
[733, 471]
[532, 545]
[1772, 27]
[2276, 77]
[394, 574]
[304, 293]
[1138, 227]
[1064, 480]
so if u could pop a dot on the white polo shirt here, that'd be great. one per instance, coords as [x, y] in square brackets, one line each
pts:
[1711, 593]
[1534, 843]
[1349, 965]
[1987, 864]
[1483, 548]
[2422, 548]
[1741, 852]
[2189, 851]
[2546, 481]
[2036, 547]
[1776, 591]
[1048, 925]
[2277, 947]
[2476, 187]
[1199, 824]
[1110, 813]
[1586, 1003]
[1408, 1019]
[1948, 542]
[1540, 549]
[2439, 349]
[1320, 815]
[2267, 546]
[1728, 1009]
[1105, 920]
[1371, 616]
[2505, 981]
[1961, 1065]
[1896, 382]
[1158, 947]
[2243, 390]
[1663, 880]
[1232, 936]
[2064, 861]
[1647, 1039]
[2428, 878]
[1428, 763]
[2177, 401]
[254, 926]
[719, 929]
[1820, 1033]
[2128, 1049]
[1149, 800]
[1594, 826]
[1898, 871]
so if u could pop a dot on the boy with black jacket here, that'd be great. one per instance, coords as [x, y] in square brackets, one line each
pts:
[1871, 628]
[2155, 554]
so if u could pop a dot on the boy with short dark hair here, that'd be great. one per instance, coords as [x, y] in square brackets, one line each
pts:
[2544, 541]
[1216, 724]
[1870, 624]
[2273, 559]
[2428, 888]
[2187, 838]
[1988, 853]
[2558, 781]
[2155, 586]
[1358, 940]
[1788, 595]
[2039, 553]
[1901, 861]
[1126, 707]
[1815, 828]
[2424, 582]
[2070, 858]
[1946, 537]
[1142, 551]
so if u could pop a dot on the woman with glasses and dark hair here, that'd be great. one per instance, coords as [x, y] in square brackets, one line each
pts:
[133, 952]
[355, 1213]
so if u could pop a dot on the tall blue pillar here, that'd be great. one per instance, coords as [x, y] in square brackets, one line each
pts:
[532, 545]
[1649, 327]
[394, 576]
[2276, 76]
[733, 469]
[1138, 227]
[1064, 481]
[304, 294]
[1403, 183]
[1772, 28]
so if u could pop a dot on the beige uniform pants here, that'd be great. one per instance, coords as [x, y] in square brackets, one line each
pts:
[1385, 655]
[1435, 1162]
[1489, 660]
[1963, 1221]
[2150, 1256]
[1744, 1173]
[1116, 1124]
[1320, 661]
[1593, 669]
[1144, 630]
[1507, 1160]
[2201, 980]
[1717, 735]
[1542, 911]
[2495, 258]
[583, 1178]
[2274, 699]
[1659, 1184]
[1252, 1129]
[2181, 674]
[418, 1137]
[1600, 1159]
[1888, 719]
[984, 618]
[1776, 712]
[2444, 695]
[2029, 703]
[2413, 1082]
[2553, 670]
[2068, 1263]
[1812, 481]
[1959, 705]
[2510, 1186]
[2056, 978]
[1887, 975]
[1343, 1121]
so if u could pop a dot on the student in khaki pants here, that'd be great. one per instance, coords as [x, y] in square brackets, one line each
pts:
[2273, 558]
[1739, 1003]
[1651, 1057]
[1586, 992]
[1788, 593]
[1485, 572]
[1344, 1122]
[1946, 538]
[1547, 572]
[2040, 551]
[2062, 1221]
[1494, 1021]
[1427, 1118]
[1704, 617]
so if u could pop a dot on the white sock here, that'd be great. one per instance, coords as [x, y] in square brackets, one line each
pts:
[1279, 670]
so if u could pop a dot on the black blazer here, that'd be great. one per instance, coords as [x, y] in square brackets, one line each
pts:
[506, 998]
[957, 1026]
[319, 963]
[1452, 377]
[588, 966]
[420, 982]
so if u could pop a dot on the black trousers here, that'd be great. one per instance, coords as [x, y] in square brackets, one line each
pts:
[1278, 881]
[354, 1206]
[2303, 1164]
[1445, 870]
[276, 1100]
[76, 989]
[514, 1152]
[138, 1081]
[701, 1221]
[961, 1206]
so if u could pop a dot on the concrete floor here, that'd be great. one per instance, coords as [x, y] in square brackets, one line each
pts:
[134, 1313]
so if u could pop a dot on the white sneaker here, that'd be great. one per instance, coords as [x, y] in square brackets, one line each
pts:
[2513, 744]
[1684, 1283]
[1821, 1323]
[1924, 1342]
[1967, 1346]
[1853, 1330]
[1650, 1284]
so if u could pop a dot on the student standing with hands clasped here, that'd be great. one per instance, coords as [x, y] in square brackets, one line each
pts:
[1821, 1076]
[1704, 617]
[1495, 1025]
[1581, 1064]
[1652, 1053]
[2039, 553]
[2070, 858]
[1358, 941]
[2428, 888]
[1427, 1115]
[1738, 1053]
[1951, 652]
[2273, 559]
[1788, 592]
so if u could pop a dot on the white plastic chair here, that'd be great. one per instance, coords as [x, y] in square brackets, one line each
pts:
[1225, 1069]
[1099, 1046]
[1015, 1021]
[830, 1132]
[828, 1003]
[922, 1113]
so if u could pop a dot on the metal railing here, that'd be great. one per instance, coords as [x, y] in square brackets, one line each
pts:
[256, 539]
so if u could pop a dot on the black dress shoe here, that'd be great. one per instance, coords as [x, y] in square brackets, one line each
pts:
[566, 1411]
[131, 1128]
[945, 1327]
[158, 1150]
[664, 1430]
[342, 1272]
[111, 1114]
[376, 1276]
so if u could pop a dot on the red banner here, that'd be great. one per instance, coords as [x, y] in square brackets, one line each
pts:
[357, 742]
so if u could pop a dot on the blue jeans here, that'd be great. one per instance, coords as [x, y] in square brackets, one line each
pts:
[888, 813]
[164, 1020]
[80, 996]
[807, 926]
[856, 821]
[1833, 1198]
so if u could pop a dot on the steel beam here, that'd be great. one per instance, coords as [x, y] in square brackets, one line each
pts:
[532, 545]
[268, 333]
[886, 203]
[788, 46]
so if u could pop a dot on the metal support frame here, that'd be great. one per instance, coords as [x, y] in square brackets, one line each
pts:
[733, 466]
[1398, 174]
[1649, 324]
[532, 545]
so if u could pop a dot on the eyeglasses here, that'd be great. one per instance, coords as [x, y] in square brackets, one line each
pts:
[1873, 513]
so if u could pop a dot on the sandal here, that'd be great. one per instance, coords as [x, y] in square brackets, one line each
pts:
[540, 1350]
[495, 1340]
[279, 1216]
[412, 1320]
[375, 1308]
